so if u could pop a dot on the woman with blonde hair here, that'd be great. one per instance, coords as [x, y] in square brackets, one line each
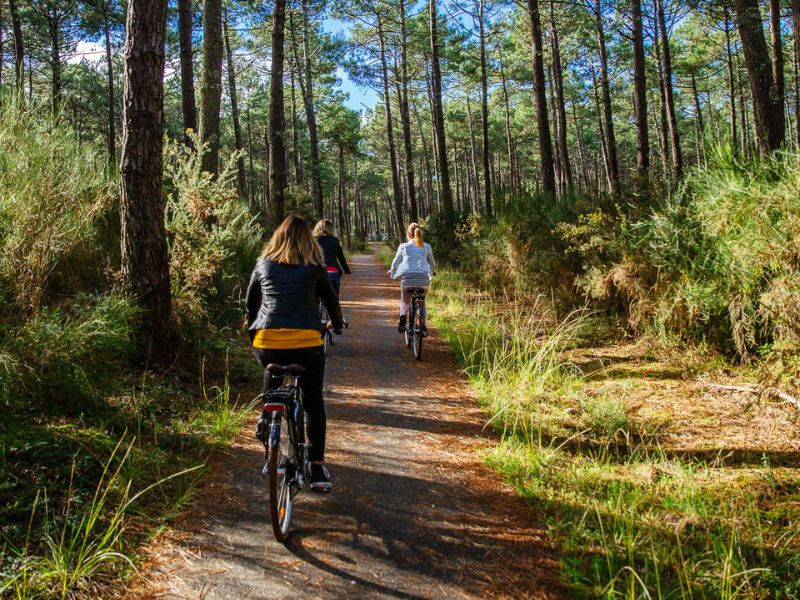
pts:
[414, 265]
[335, 262]
[283, 297]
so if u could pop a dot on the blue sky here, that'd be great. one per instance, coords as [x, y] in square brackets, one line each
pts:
[359, 97]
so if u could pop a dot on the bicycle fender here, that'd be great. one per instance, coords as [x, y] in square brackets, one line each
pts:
[275, 432]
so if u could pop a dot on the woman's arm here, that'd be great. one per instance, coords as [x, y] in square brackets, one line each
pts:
[340, 256]
[329, 298]
[253, 298]
[429, 256]
[398, 257]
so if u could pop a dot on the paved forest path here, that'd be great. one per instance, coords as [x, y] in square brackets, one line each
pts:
[414, 512]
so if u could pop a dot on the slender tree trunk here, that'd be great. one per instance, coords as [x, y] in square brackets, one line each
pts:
[476, 197]
[145, 259]
[560, 105]
[779, 92]
[211, 86]
[731, 80]
[512, 167]
[699, 122]
[640, 98]
[188, 102]
[428, 171]
[397, 194]
[796, 78]
[603, 135]
[672, 118]
[112, 117]
[277, 129]
[251, 196]
[294, 69]
[19, 52]
[767, 107]
[54, 26]
[540, 100]
[663, 127]
[487, 177]
[608, 118]
[445, 195]
[405, 116]
[241, 179]
[307, 89]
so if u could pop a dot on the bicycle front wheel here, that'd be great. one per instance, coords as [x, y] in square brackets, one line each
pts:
[280, 476]
[418, 329]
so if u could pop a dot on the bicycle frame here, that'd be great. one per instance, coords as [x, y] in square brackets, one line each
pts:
[288, 398]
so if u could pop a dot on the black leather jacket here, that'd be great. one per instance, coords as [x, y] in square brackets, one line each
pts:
[287, 296]
[334, 255]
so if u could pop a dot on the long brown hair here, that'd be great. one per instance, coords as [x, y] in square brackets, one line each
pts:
[415, 233]
[292, 244]
[324, 227]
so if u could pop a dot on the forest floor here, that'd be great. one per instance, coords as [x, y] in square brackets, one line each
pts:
[414, 513]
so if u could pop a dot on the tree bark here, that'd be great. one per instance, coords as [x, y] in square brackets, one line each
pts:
[608, 118]
[487, 175]
[307, 90]
[54, 28]
[405, 117]
[779, 92]
[796, 40]
[145, 259]
[640, 97]
[19, 51]
[446, 195]
[397, 193]
[663, 128]
[672, 118]
[294, 71]
[188, 101]
[211, 86]
[112, 117]
[241, 179]
[277, 132]
[540, 100]
[731, 80]
[473, 154]
[767, 108]
[512, 167]
[560, 105]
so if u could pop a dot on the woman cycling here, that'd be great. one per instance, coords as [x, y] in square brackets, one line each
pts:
[283, 322]
[335, 262]
[415, 266]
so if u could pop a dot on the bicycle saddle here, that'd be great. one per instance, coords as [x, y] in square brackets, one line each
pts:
[292, 369]
[415, 291]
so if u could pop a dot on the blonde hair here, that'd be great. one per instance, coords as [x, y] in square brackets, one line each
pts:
[292, 244]
[414, 232]
[324, 227]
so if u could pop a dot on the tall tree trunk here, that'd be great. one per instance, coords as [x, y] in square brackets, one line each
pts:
[188, 102]
[608, 118]
[672, 118]
[405, 116]
[211, 86]
[251, 196]
[699, 122]
[294, 71]
[241, 179]
[277, 129]
[397, 193]
[428, 170]
[446, 196]
[19, 52]
[112, 117]
[604, 143]
[307, 89]
[487, 176]
[640, 98]
[145, 259]
[663, 128]
[473, 159]
[779, 91]
[796, 79]
[560, 105]
[512, 167]
[731, 80]
[54, 27]
[540, 100]
[767, 107]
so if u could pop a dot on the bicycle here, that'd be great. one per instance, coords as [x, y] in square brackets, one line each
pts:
[327, 334]
[416, 322]
[282, 430]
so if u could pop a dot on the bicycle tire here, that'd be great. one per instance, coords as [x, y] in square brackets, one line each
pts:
[418, 329]
[280, 492]
[409, 329]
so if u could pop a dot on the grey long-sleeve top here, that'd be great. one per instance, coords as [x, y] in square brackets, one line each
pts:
[413, 262]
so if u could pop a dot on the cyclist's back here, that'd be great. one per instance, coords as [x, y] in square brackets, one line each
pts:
[335, 262]
[414, 265]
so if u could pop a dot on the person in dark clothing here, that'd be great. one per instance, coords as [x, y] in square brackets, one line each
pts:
[335, 262]
[288, 281]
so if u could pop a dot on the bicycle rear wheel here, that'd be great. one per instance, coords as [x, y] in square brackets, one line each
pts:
[280, 476]
[418, 329]
[409, 332]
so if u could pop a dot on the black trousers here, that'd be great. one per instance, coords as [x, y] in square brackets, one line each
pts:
[313, 359]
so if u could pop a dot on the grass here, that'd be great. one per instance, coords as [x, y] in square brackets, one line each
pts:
[634, 501]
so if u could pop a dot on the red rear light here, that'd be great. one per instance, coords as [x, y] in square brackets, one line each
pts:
[274, 407]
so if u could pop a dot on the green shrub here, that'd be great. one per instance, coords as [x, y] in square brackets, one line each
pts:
[56, 202]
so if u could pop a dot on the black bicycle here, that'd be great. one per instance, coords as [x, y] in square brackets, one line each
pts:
[327, 334]
[416, 325]
[282, 430]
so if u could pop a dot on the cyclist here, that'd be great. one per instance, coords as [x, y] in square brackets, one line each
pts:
[414, 265]
[287, 282]
[335, 262]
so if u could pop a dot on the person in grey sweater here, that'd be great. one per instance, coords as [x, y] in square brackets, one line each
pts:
[414, 265]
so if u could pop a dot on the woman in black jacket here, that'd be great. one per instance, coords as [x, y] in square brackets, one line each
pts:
[335, 262]
[287, 283]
